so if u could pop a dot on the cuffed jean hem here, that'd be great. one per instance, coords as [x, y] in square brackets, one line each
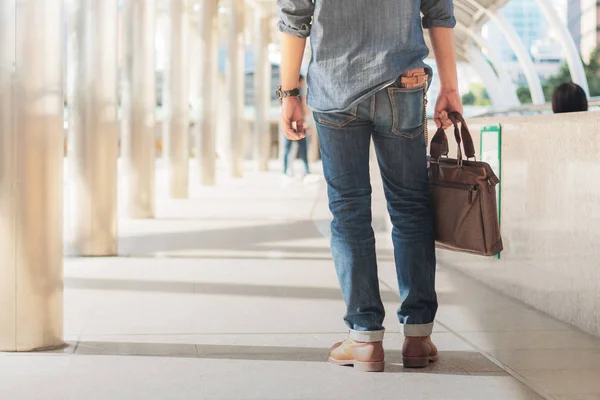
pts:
[418, 330]
[367, 336]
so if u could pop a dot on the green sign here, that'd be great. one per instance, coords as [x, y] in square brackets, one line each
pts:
[490, 151]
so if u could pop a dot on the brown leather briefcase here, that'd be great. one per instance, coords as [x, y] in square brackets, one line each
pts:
[464, 196]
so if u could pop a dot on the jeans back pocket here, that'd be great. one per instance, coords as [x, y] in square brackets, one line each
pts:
[408, 111]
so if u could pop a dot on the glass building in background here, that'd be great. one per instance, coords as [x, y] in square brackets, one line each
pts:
[527, 20]
[583, 18]
[531, 26]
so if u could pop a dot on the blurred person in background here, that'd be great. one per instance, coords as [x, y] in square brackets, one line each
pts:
[569, 97]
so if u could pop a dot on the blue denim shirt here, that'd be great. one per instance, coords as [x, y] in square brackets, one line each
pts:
[360, 46]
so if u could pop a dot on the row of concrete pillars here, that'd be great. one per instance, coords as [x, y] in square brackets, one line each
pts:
[110, 70]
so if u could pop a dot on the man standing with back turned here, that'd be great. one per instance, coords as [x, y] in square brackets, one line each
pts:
[367, 81]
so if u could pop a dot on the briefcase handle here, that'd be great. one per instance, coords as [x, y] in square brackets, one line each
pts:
[439, 143]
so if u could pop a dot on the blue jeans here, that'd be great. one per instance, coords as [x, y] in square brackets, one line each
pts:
[302, 154]
[393, 119]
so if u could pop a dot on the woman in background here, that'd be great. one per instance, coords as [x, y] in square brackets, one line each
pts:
[569, 97]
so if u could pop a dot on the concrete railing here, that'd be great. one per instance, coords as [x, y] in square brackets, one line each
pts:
[550, 216]
[532, 109]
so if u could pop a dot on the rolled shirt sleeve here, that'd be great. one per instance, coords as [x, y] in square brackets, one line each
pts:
[438, 13]
[295, 17]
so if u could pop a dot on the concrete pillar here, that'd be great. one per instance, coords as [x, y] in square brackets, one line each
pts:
[31, 174]
[235, 88]
[262, 91]
[176, 100]
[206, 92]
[93, 125]
[194, 61]
[138, 103]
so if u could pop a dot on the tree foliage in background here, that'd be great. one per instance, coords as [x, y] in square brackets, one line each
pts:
[477, 96]
[553, 82]
[524, 95]
[469, 99]
[592, 73]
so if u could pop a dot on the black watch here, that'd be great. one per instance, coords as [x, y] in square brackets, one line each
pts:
[281, 94]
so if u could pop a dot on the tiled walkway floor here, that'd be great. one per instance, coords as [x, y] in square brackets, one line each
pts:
[232, 295]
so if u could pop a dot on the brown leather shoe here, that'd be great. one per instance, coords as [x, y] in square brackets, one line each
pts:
[363, 356]
[418, 352]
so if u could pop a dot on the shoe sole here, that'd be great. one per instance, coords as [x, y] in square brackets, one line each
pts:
[362, 366]
[417, 362]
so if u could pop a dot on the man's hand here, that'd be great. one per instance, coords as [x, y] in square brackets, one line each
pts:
[292, 111]
[447, 101]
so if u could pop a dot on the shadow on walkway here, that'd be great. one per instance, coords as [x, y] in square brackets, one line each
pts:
[215, 288]
[253, 238]
[450, 363]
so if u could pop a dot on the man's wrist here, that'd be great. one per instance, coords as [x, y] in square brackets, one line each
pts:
[290, 87]
[449, 89]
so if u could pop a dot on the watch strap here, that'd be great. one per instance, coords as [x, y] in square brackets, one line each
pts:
[281, 94]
